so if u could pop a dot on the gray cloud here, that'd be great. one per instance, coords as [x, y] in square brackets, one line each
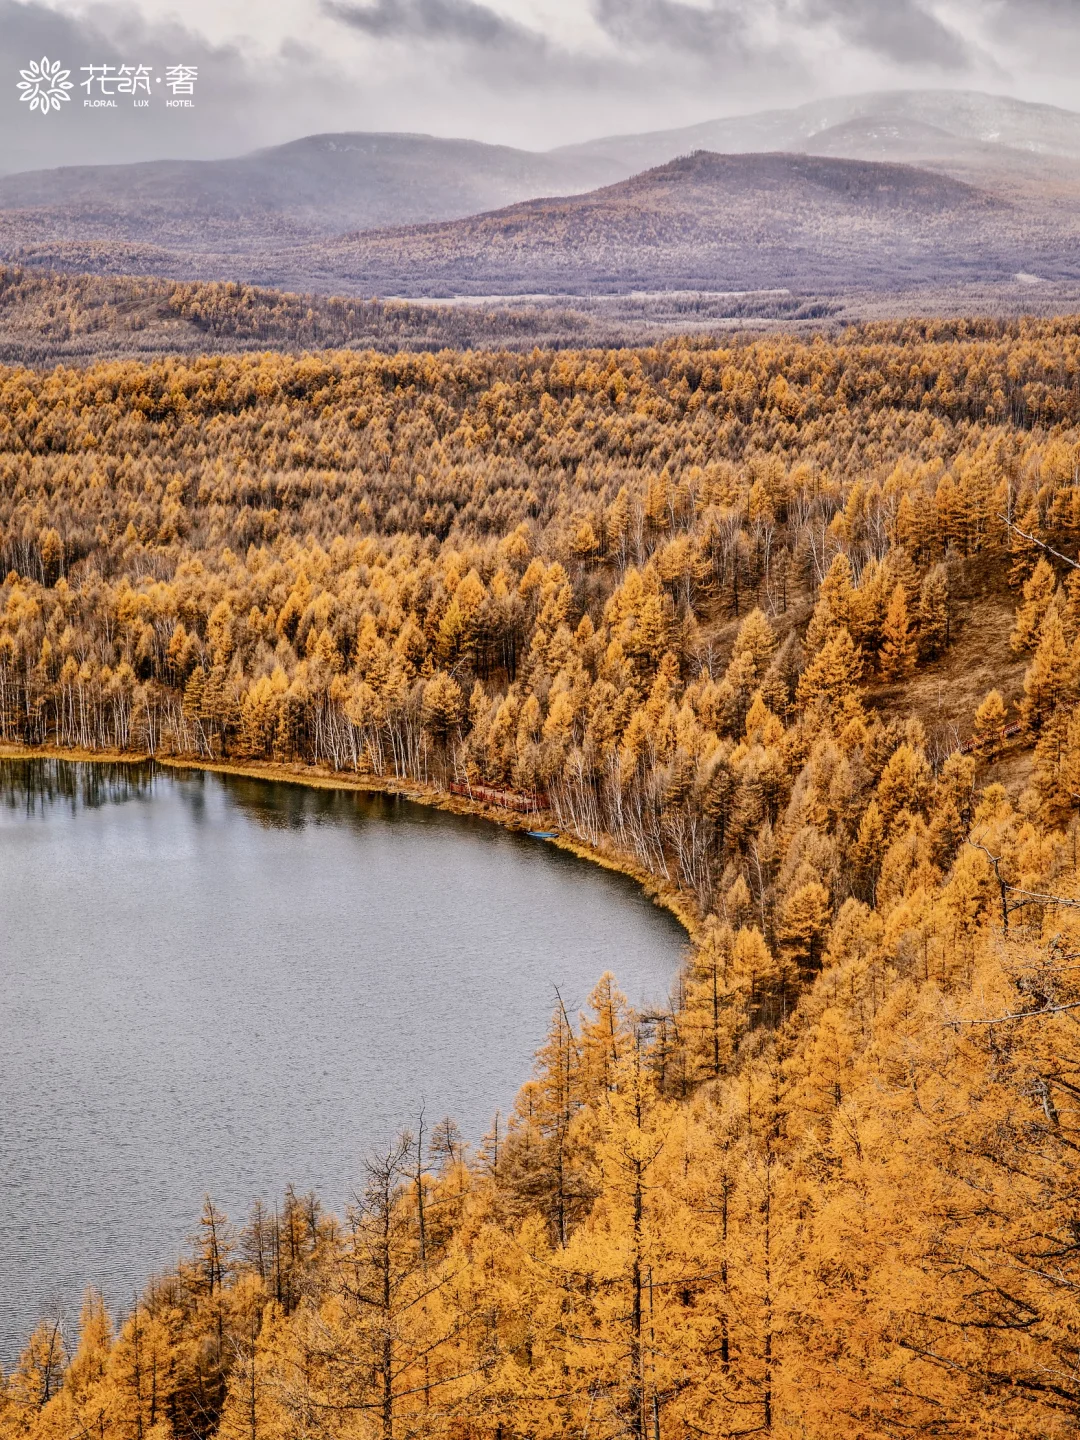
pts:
[903, 31]
[654, 43]
[239, 103]
[494, 70]
[1043, 32]
[719, 29]
[1008, 14]
[647, 33]
[471, 38]
[463, 21]
[634, 25]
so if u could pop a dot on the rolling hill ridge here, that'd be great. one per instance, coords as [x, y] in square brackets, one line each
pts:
[711, 222]
[880, 192]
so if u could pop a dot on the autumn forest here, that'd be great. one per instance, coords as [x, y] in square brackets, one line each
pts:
[715, 613]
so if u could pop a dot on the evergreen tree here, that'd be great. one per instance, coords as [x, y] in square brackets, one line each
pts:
[1048, 682]
[831, 679]
[1039, 589]
[989, 723]
[897, 642]
[835, 603]
[934, 613]
[804, 923]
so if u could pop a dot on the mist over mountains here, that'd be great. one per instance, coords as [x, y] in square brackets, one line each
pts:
[319, 185]
[706, 221]
[917, 122]
[880, 192]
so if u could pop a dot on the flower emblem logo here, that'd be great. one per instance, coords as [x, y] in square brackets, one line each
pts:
[45, 86]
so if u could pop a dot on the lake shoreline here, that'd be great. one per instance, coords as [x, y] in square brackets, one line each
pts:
[185, 948]
[663, 893]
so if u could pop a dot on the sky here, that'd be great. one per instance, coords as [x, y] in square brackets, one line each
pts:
[532, 73]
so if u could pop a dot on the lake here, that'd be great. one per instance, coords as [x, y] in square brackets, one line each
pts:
[211, 984]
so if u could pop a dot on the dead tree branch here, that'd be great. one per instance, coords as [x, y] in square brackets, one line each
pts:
[1032, 540]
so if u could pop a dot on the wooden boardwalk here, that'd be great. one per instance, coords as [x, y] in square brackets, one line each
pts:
[1003, 734]
[523, 801]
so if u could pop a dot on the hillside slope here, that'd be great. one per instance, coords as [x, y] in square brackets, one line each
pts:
[830, 1190]
[713, 222]
[967, 117]
[319, 185]
[969, 189]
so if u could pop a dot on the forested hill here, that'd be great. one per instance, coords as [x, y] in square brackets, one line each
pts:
[709, 222]
[48, 318]
[775, 622]
[953, 129]
[275, 216]
[317, 185]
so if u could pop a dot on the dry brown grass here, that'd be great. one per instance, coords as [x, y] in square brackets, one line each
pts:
[944, 693]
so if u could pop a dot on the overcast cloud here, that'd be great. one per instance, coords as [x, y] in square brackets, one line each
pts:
[524, 72]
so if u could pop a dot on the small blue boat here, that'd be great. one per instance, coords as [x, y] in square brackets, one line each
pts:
[542, 834]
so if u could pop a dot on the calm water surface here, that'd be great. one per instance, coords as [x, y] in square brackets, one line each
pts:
[227, 985]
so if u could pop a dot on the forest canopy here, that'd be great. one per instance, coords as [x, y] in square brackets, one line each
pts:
[693, 601]
[48, 317]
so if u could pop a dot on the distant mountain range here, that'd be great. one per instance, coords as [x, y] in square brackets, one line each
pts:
[321, 185]
[881, 191]
[708, 222]
[914, 125]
